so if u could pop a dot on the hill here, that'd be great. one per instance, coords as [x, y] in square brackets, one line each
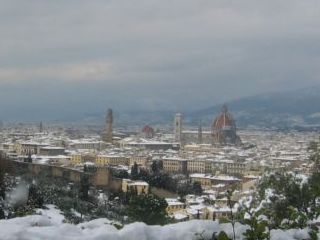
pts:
[280, 109]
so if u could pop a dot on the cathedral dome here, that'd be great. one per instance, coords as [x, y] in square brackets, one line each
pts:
[224, 121]
[224, 129]
[148, 131]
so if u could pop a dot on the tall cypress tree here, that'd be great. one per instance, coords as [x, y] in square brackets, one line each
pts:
[134, 171]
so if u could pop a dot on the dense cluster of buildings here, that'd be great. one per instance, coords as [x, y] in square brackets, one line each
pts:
[219, 157]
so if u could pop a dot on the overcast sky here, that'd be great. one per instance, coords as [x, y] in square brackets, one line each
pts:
[146, 54]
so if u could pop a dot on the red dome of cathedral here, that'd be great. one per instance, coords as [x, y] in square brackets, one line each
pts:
[224, 121]
[224, 129]
[148, 131]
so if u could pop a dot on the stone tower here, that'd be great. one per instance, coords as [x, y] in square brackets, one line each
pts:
[178, 127]
[109, 122]
[200, 133]
[41, 127]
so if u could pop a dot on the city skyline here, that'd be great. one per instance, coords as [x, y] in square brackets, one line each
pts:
[172, 119]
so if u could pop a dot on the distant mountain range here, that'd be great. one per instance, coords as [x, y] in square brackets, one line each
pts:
[298, 108]
[280, 110]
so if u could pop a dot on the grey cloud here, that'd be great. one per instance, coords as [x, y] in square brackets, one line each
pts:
[152, 54]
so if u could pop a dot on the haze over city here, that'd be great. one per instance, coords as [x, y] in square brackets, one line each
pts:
[71, 57]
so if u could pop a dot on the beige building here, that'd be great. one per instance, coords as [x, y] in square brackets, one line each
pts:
[202, 148]
[52, 151]
[102, 160]
[249, 183]
[199, 166]
[76, 158]
[174, 165]
[82, 156]
[174, 206]
[212, 213]
[207, 181]
[195, 166]
[229, 167]
[9, 147]
[86, 144]
[140, 160]
[209, 166]
[140, 187]
[25, 148]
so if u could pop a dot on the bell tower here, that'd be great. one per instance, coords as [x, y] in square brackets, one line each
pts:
[177, 127]
[200, 133]
[109, 121]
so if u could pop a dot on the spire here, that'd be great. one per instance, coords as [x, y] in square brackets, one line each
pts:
[109, 129]
[177, 127]
[224, 109]
[41, 127]
[200, 133]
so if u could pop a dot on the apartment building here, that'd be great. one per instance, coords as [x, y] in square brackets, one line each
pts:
[102, 160]
[140, 160]
[208, 180]
[139, 187]
[174, 165]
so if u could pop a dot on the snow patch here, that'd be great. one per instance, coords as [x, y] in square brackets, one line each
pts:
[49, 226]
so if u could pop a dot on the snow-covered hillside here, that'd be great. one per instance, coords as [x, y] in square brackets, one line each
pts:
[48, 224]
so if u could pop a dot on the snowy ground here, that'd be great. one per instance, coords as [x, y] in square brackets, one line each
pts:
[49, 225]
